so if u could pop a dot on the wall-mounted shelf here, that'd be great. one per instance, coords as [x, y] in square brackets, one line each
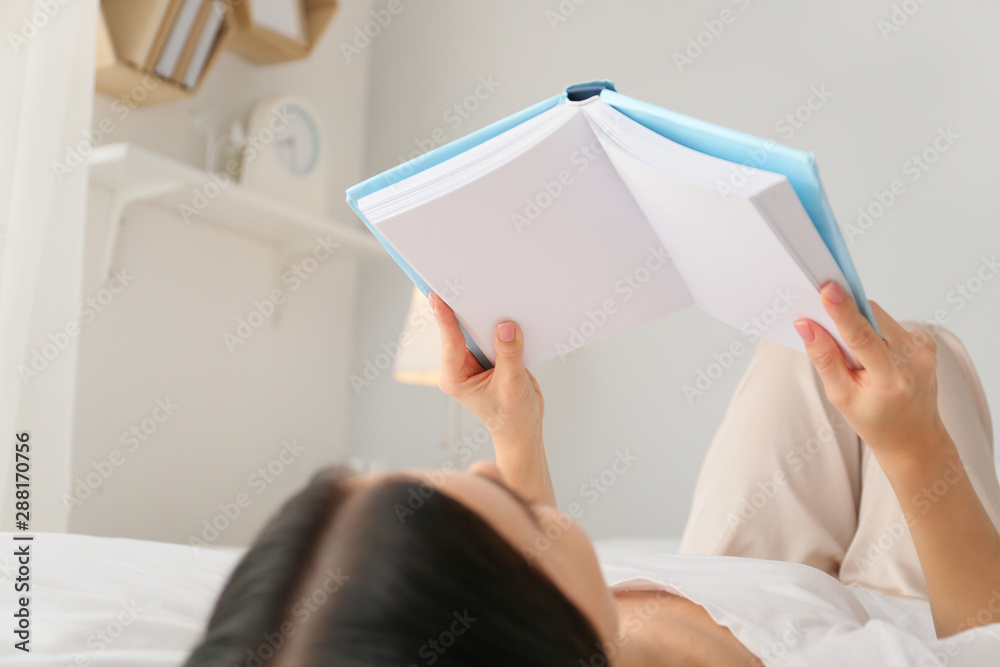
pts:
[130, 36]
[263, 46]
[135, 175]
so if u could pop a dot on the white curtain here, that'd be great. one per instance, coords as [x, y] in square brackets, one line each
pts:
[46, 101]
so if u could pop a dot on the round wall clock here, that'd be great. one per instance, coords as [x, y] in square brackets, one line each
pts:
[285, 153]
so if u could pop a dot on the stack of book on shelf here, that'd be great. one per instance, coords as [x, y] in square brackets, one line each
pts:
[157, 50]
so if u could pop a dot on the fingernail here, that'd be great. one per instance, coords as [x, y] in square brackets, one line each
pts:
[835, 294]
[432, 299]
[505, 331]
[805, 331]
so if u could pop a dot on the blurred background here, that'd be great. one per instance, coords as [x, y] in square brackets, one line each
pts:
[206, 402]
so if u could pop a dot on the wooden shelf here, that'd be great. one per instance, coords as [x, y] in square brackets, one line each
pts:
[264, 47]
[136, 175]
[128, 75]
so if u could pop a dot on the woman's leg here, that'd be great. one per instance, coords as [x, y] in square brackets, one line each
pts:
[882, 556]
[782, 478]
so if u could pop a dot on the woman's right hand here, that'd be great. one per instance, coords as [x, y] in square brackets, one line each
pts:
[506, 398]
[892, 402]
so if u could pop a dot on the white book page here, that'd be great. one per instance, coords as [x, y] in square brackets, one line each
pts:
[552, 240]
[772, 194]
[735, 266]
[464, 167]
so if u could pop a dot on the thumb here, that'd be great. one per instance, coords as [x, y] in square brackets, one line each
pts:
[508, 342]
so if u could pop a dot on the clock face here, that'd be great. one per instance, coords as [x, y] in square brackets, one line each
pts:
[285, 155]
[296, 143]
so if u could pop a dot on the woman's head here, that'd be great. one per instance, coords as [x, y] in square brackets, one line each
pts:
[412, 569]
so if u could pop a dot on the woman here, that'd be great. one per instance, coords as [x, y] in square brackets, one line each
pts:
[480, 568]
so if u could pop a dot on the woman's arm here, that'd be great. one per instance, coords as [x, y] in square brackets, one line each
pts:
[892, 405]
[505, 398]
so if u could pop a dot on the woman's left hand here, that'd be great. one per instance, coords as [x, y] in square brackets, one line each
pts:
[892, 402]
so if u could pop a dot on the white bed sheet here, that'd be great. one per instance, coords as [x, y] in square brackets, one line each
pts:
[106, 602]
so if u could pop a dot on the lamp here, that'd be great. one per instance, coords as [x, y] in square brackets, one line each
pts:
[419, 358]
[419, 362]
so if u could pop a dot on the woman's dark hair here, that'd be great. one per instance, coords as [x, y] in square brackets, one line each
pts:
[392, 575]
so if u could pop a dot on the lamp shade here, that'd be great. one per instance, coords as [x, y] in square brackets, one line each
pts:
[419, 357]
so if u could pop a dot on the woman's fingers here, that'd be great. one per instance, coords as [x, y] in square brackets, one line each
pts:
[508, 342]
[454, 355]
[828, 360]
[855, 329]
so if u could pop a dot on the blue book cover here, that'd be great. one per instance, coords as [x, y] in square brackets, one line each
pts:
[736, 147]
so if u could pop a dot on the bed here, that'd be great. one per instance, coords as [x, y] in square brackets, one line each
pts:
[111, 602]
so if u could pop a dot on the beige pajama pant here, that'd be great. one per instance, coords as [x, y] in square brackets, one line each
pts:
[786, 478]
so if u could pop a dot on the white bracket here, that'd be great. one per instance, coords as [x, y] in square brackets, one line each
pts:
[121, 199]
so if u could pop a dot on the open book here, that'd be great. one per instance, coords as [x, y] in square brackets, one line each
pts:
[592, 213]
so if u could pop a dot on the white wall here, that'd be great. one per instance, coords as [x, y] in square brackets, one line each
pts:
[889, 98]
[161, 337]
